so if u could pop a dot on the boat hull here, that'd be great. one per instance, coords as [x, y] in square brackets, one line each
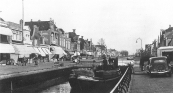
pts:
[89, 83]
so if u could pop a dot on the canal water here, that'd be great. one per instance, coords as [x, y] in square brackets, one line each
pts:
[59, 85]
[61, 88]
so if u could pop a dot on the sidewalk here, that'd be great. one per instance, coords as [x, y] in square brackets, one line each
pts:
[91, 60]
[139, 80]
[12, 69]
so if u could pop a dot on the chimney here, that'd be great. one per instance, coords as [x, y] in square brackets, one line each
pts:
[169, 26]
[82, 37]
[21, 24]
[74, 30]
[31, 20]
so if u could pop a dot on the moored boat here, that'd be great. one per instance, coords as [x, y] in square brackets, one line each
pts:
[88, 79]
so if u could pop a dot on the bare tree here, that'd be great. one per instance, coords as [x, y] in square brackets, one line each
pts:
[102, 45]
[101, 42]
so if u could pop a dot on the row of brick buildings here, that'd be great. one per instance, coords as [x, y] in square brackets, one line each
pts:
[164, 39]
[45, 34]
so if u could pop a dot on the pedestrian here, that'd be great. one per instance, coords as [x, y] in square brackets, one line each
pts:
[142, 64]
[36, 60]
[115, 62]
[105, 63]
[168, 59]
[24, 60]
[110, 60]
[57, 57]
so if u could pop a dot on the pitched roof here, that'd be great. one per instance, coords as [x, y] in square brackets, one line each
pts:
[43, 25]
[60, 29]
[15, 26]
[72, 35]
[169, 35]
[1, 19]
[170, 29]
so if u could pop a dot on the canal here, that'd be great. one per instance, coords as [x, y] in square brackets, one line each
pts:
[59, 85]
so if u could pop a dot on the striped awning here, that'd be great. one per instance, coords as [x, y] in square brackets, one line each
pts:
[40, 51]
[23, 50]
[46, 51]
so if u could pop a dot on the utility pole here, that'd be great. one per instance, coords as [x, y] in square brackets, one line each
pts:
[22, 18]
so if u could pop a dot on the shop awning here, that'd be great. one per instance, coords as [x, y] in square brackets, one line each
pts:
[36, 49]
[5, 31]
[30, 49]
[24, 50]
[58, 50]
[6, 48]
[40, 51]
[46, 51]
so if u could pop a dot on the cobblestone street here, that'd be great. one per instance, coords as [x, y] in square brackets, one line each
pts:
[143, 83]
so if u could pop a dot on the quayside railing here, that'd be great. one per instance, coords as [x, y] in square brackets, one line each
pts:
[123, 84]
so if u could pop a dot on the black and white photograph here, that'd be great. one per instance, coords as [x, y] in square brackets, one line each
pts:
[86, 46]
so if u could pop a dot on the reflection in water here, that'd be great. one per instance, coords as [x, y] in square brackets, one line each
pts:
[66, 88]
[62, 88]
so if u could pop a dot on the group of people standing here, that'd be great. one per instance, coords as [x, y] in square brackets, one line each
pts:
[113, 61]
[24, 60]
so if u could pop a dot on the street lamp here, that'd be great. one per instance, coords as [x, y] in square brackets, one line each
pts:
[141, 41]
[141, 44]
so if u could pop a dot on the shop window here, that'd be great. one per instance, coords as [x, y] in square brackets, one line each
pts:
[4, 57]
[52, 36]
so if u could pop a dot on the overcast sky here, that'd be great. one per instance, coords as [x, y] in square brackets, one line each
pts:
[119, 22]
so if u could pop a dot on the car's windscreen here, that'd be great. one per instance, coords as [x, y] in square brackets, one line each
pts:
[159, 61]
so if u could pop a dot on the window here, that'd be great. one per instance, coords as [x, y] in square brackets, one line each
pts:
[69, 45]
[52, 37]
[60, 41]
[4, 39]
[66, 45]
[17, 35]
[56, 35]
[14, 37]
[64, 42]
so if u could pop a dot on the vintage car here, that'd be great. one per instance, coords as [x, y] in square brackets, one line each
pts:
[130, 58]
[159, 66]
